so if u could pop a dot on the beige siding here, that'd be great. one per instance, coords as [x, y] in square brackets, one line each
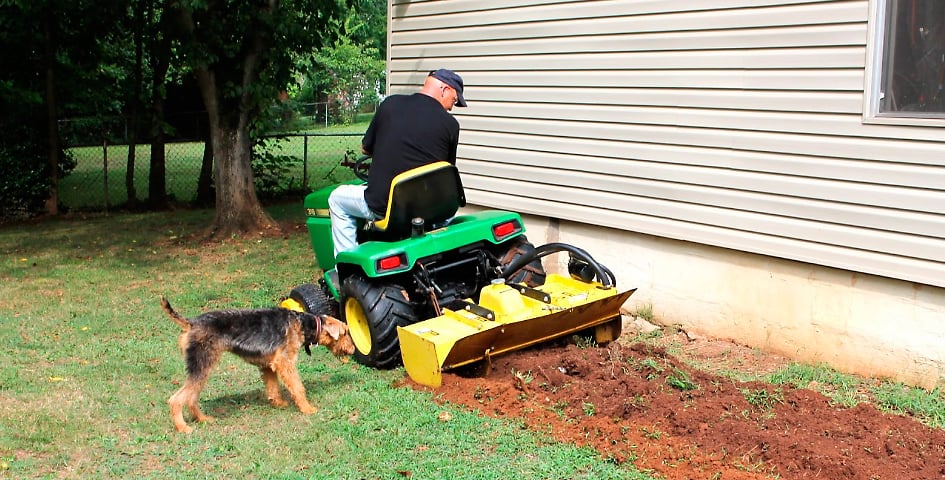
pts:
[731, 123]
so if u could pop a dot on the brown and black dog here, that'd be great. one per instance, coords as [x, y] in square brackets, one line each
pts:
[269, 338]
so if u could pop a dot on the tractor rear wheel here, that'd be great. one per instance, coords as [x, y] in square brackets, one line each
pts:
[373, 313]
[533, 274]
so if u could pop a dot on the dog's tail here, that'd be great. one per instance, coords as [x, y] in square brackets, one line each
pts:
[176, 317]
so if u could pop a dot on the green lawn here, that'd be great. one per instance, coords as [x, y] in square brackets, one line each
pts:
[88, 360]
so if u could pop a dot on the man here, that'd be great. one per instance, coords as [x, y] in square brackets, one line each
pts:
[407, 131]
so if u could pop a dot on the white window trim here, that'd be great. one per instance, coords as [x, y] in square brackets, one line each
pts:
[876, 27]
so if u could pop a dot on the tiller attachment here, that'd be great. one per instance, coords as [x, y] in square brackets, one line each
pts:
[512, 316]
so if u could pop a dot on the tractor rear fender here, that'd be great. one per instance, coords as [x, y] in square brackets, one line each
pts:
[380, 259]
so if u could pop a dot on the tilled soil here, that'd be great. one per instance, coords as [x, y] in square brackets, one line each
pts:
[636, 403]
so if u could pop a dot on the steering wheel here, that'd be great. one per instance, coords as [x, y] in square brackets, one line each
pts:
[362, 166]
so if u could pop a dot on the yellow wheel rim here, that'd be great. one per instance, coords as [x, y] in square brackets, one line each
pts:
[358, 326]
[291, 304]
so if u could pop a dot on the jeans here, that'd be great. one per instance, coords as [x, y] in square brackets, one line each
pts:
[346, 205]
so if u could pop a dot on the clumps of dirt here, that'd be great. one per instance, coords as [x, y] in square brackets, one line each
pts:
[636, 403]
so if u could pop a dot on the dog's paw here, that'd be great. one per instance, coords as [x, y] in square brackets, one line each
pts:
[308, 409]
[205, 418]
[278, 402]
[187, 429]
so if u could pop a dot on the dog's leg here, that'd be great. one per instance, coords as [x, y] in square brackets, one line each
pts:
[177, 415]
[200, 358]
[193, 402]
[284, 365]
[273, 392]
[188, 395]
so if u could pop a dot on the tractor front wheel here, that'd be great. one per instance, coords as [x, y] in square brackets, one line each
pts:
[311, 298]
[373, 313]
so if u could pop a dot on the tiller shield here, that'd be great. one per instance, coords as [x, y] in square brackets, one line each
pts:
[507, 318]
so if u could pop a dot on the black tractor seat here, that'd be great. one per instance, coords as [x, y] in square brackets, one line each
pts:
[432, 192]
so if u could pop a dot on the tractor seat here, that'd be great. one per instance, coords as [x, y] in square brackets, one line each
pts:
[432, 192]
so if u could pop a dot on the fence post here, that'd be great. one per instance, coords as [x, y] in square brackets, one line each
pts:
[105, 170]
[305, 161]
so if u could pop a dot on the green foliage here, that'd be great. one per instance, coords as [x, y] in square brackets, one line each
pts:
[254, 53]
[680, 381]
[763, 399]
[272, 170]
[24, 158]
[24, 184]
[350, 72]
[252, 50]
[584, 342]
[373, 15]
[651, 364]
[81, 84]
[645, 312]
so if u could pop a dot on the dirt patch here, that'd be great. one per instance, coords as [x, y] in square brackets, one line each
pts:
[637, 403]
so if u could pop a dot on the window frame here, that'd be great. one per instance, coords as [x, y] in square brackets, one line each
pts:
[875, 58]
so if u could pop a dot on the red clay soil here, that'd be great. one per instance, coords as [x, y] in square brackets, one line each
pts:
[631, 403]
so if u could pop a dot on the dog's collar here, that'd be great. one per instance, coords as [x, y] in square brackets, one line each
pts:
[317, 327]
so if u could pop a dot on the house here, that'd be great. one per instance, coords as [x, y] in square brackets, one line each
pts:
[766, 171]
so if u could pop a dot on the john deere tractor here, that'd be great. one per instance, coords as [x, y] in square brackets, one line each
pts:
[434, 290]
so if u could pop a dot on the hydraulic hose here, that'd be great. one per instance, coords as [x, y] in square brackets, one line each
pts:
[603, 274]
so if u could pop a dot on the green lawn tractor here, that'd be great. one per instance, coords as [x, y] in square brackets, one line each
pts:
[434, 290]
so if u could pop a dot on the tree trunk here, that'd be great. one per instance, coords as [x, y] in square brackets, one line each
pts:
[160, 62]
[157, 177]
[52, 120]
[205, 182]
[238, 210]
[134, 103]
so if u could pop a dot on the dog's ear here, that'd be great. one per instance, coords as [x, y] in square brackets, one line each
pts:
[332, 326]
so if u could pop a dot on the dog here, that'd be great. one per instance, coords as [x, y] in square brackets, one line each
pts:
[269, 338]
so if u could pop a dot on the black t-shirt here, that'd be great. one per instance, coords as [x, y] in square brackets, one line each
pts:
[407, 131]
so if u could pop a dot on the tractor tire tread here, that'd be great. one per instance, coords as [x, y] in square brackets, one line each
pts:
[385, 309]
[314, 299]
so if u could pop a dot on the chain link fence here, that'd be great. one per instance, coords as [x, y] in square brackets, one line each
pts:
[304, 161]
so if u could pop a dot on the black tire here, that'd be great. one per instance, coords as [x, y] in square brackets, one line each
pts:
[533, 274]
[373, 313]
[315, 299]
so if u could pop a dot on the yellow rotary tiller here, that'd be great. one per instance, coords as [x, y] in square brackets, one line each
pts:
[509, 317]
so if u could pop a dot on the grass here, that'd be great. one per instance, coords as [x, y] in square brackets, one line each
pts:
[88, 360]
[842, 389]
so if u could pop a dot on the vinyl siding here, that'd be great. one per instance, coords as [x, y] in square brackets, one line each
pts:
[730, 123]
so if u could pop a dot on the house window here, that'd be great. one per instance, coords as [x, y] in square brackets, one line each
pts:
[910, 59]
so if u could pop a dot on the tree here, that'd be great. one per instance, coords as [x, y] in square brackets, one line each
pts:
[160, 59]
[56, 64]
[372, 14]
[244, 53]
[134, 102]
[351, 71]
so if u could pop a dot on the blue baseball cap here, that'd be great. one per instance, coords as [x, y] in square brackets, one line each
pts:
[455, 82]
